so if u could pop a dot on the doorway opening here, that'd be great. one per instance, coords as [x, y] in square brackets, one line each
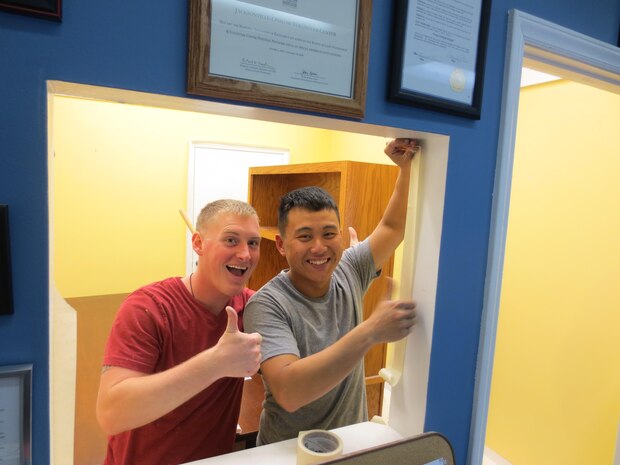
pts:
[548, 48]
[133, 160]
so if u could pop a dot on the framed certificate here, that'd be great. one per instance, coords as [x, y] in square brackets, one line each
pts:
[15, 414]
[438, 54]
[302, 54]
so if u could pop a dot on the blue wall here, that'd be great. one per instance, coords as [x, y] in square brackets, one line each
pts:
[129, 45]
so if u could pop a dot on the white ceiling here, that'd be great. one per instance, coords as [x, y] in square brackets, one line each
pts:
[530, 77]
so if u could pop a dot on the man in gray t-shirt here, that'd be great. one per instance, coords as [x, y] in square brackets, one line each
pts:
[310, 315]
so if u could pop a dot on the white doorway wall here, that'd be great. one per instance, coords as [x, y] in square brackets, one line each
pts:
[217, 171]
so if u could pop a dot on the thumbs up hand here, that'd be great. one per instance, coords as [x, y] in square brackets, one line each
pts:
[240, 352]
[233, 320]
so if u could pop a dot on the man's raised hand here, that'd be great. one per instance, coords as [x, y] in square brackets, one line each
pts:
[402, 150]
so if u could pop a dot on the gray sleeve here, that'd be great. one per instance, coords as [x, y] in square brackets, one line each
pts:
[265, 315]
[358, 260]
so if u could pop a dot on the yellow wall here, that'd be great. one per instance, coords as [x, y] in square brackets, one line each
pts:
[358, 147]
[120, 176]
[555, 395]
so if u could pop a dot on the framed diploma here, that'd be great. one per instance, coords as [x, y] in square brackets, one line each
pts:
[438, 54]
[303, 54]
[15, 414]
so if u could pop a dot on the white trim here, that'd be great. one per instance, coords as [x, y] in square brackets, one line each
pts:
[551, 48]
[408, 398]
[62, 322]
[132, 97]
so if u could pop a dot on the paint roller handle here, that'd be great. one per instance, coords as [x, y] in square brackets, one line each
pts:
[187, 221]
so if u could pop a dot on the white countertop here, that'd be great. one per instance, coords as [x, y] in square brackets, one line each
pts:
[354, 438]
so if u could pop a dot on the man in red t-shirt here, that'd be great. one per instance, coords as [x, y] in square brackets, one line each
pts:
[170, 389]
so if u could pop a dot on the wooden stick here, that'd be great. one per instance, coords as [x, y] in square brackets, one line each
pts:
[187, 221]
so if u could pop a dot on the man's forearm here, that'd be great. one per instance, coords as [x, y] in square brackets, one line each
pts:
[302, 381]
[395, 215]
[390, 231]
[128, 402]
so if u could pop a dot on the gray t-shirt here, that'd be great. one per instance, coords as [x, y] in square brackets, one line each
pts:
[292, 323]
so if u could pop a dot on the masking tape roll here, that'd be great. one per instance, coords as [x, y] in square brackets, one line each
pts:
[317, 446]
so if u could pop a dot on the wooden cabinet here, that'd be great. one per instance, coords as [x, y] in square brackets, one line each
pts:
[362, 191]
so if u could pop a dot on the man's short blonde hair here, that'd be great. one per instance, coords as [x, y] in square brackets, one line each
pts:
[212, 209]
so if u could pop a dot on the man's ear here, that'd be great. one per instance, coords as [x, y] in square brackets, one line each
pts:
[280, 245]
[197, 243]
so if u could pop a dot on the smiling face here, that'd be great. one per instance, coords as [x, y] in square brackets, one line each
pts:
[228, 246]
[312, 245]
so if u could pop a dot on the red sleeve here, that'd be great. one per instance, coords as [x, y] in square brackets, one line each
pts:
[135, 337]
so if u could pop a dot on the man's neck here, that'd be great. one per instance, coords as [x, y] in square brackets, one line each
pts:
[309, 288]
[212, 300]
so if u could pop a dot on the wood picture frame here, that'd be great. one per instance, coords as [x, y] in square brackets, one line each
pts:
[439, 55]
[281, 67]
[48, 9]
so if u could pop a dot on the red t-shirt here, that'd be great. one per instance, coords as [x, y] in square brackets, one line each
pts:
[158, 327]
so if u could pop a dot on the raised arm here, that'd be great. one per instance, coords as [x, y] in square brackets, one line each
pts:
[128, 399]
[296, 382]
[390, 231]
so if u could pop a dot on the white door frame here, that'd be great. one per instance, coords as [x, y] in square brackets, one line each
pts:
[263, 156]
[551, 48]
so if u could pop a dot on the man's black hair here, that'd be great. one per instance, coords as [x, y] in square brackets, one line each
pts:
[310, 198]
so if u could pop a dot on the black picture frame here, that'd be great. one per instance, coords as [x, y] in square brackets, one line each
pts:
[400, 94]
[6, 283]
[47, 9]
[200, 80]
[16, 413]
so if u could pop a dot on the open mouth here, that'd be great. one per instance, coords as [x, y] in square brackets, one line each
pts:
[237, 270]
[318, 262]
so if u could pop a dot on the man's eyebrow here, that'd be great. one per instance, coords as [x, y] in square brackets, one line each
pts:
[234, 232]
[302, 229]
[233, 229]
